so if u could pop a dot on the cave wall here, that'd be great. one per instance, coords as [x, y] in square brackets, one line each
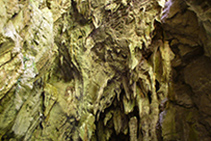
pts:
[105, 70]
[186, 24]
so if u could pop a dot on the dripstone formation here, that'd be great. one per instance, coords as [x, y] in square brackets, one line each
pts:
[105, 70]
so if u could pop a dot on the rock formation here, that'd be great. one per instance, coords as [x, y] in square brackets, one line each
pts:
[105, 70]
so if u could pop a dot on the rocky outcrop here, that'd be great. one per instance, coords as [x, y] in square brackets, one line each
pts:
[187, 115]
[27, 52]
[105, 70]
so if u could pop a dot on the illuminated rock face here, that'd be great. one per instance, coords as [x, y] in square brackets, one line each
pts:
[105, 70]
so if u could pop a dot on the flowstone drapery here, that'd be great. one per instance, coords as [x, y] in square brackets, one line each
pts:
[104, 70]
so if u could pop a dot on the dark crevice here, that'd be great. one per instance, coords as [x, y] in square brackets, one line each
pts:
[68, 68]
[145, 51]
[173, 17]
[14, 15]
[149, 94]
[157, 85]
[42, 102]
[119, 137]
[8, 136]
[79, 17]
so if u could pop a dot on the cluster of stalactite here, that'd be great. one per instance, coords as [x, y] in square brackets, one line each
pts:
[105, 70]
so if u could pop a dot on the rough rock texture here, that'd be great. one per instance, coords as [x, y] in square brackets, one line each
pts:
[105, 70]
[187, 28]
